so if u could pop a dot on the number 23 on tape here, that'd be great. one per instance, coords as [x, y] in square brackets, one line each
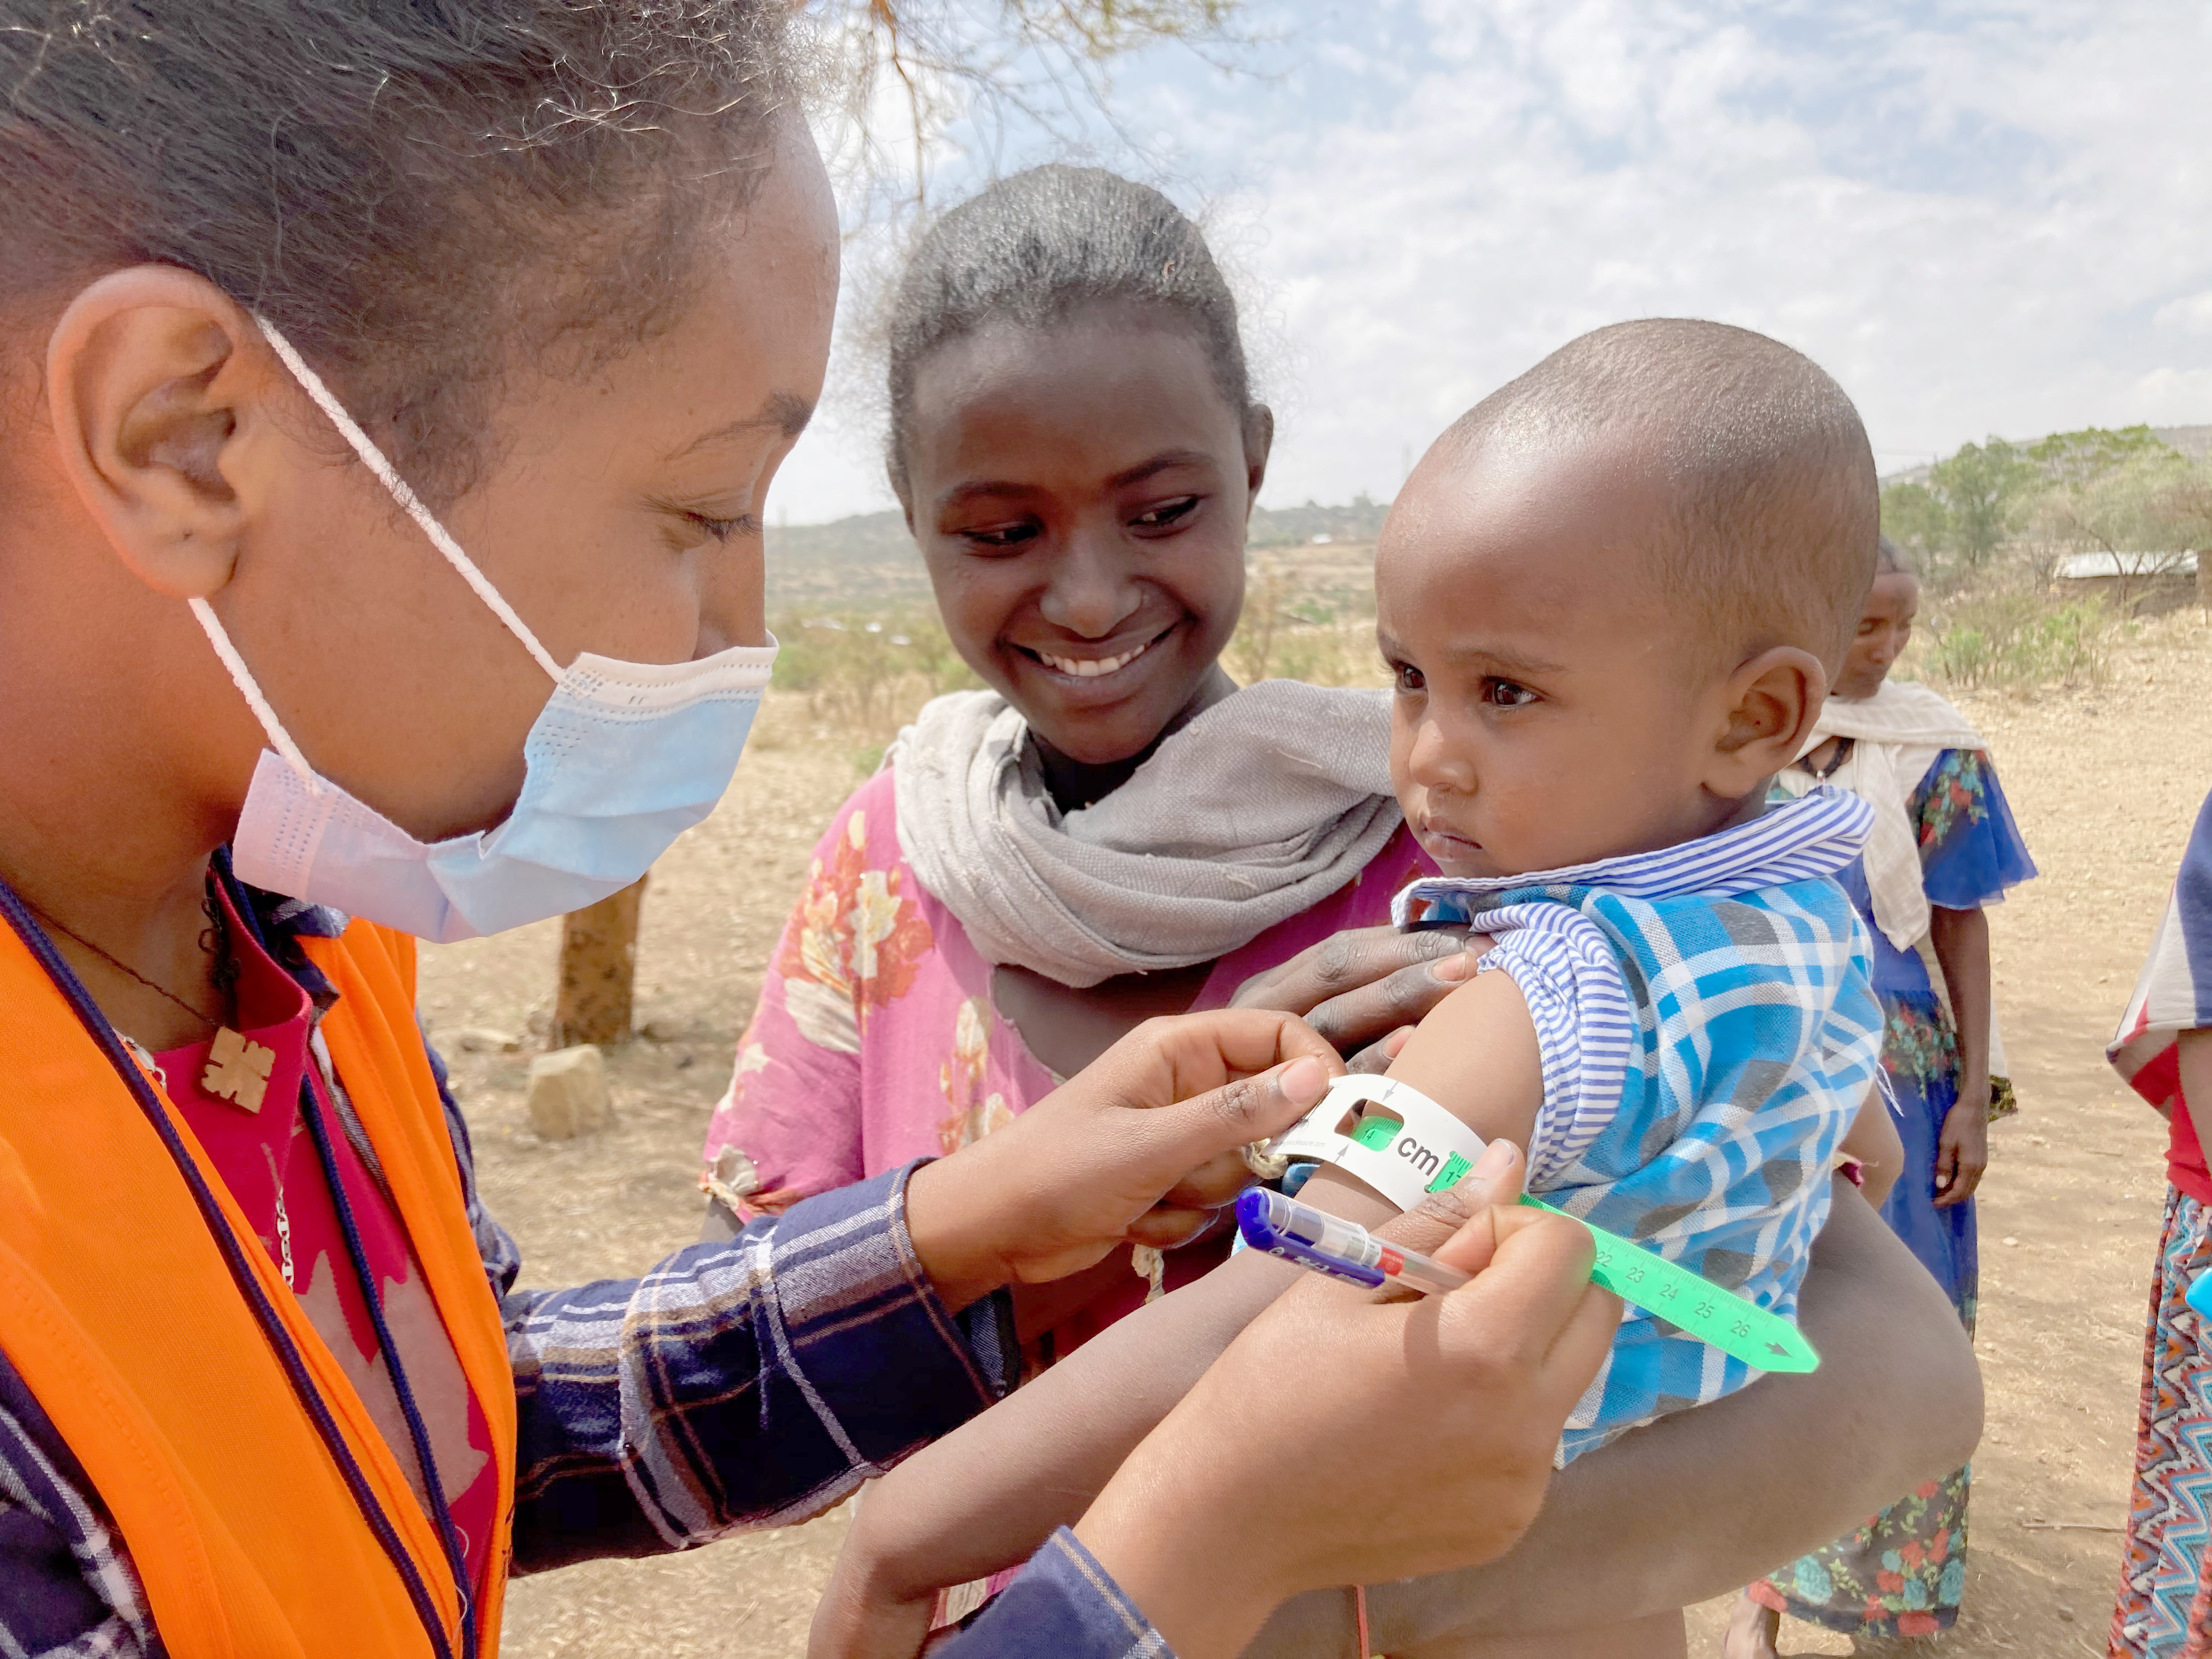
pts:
[1739, 1328]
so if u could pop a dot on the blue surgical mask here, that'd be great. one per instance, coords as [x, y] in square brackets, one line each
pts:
[625, 757]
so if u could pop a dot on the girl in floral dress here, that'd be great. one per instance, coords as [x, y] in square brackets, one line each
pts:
[1944, 845]
[1113, 830]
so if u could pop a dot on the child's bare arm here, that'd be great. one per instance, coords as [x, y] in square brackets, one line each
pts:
[1476, 1056]
[1701, 1502]
[1872, 1140]
[985, 1498]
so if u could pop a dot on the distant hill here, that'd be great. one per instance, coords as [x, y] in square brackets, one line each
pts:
[869, 559]
[2194, 441]
[1283, 526]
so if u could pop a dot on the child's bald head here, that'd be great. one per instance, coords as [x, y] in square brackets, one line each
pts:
[1616, 594]
[1766, 509]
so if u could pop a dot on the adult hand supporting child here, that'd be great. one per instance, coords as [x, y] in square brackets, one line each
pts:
[917, 1531]
[1361, 987]
[1422, 1431]
[1140, 1147]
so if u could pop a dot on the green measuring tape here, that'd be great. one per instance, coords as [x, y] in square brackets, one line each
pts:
[1736, 1326]
[1721, 1319]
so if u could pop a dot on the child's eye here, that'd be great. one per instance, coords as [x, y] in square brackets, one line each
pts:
[1159, 518]
[1407, 676]
[1504, 694]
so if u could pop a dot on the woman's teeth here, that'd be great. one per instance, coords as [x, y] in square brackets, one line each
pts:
[1089, 668]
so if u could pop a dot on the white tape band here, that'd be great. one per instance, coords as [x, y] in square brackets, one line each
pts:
[1426, 1149]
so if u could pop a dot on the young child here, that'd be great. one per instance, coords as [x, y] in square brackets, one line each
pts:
[1609, 606]
[1611, 595]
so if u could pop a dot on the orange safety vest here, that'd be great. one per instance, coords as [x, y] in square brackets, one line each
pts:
[266, 1516]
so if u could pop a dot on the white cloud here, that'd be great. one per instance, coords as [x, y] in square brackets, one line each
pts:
[1981, 217]
[2189, 315]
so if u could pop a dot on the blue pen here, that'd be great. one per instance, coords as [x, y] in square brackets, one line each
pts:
[1696, 1307]
[1298, 1232]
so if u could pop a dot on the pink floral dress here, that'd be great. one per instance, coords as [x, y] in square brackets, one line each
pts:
[877, 1042]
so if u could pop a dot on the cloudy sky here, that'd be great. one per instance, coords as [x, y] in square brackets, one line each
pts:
[1980, 216]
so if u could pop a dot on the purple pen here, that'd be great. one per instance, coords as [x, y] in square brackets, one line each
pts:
[1327, 1244]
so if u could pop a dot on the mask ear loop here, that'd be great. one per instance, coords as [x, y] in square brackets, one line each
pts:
[242, 678]
[373, 459]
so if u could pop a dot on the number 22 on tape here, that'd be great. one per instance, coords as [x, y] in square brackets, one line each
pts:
[1738, 1328]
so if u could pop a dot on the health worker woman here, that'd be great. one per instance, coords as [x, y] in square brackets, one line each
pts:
[387, 399]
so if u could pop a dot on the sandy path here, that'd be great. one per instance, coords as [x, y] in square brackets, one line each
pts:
[2106, 786]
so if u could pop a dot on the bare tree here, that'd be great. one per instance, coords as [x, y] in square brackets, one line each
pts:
[910, 68]
[2142, 505]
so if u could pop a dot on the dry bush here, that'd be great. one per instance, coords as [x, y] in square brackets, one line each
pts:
[1292, 630]
[2017, 636]
[859, 676]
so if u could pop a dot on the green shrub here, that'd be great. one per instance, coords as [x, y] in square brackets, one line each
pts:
[864, 675]
[2021, 639]
[1961, 656]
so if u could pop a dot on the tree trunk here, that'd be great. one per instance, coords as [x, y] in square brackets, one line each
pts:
[598, 970]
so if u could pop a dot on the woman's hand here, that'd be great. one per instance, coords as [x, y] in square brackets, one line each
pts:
[1962, 940]
[1140, 1147]
[1344, 1438]
[1364, 988]
[1962, 1151]
[1622, 1535]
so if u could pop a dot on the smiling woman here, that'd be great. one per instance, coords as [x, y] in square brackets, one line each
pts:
[1113, 830]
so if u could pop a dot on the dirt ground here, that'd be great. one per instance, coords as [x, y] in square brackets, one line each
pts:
[2105, 784]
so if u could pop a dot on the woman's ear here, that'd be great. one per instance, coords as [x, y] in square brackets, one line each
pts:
[1772, 701]
[1259, 442]
[151, 375]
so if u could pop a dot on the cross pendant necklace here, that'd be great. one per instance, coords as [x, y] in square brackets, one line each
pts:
[237, 1068]
[139, 1052]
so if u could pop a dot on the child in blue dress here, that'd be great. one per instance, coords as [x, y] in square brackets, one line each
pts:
[1943, 846]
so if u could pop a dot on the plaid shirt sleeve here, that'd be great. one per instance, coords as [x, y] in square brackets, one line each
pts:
[1061, 1606]
[67, 1587]
[750, 1382]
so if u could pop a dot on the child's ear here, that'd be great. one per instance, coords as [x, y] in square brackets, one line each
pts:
[1772, 701]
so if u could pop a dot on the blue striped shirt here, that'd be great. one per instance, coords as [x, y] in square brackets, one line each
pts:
[1708, 1030]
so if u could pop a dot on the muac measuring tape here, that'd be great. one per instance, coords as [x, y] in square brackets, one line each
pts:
[1404, 1145]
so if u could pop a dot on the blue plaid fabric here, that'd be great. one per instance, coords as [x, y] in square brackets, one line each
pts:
[1707, 1029]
